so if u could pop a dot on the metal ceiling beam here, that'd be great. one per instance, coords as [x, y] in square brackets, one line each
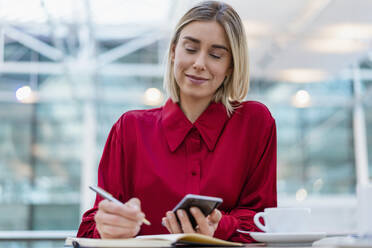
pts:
[52, 23]
[50, 68]
[278, 43]
[31, 67]
[128, 48]
[33, 43]
[143, 70]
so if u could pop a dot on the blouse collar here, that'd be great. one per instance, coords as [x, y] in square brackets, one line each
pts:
[209, 124]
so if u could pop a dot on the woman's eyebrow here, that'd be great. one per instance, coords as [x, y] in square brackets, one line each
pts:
[198, 42]
[220, 47]
[191, 39]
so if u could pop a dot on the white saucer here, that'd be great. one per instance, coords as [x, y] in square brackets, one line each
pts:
[287, 239]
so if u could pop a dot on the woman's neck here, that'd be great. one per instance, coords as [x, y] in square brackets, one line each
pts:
[193, 108]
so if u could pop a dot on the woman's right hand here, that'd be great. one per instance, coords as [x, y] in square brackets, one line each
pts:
[115, 221]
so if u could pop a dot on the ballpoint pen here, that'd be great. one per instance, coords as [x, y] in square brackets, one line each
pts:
[109, 197]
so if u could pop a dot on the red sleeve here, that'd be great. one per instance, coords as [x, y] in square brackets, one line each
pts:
[87, 227]
[259, 193]
[112, 162]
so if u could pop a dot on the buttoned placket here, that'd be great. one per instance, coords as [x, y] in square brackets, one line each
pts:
[193, 150]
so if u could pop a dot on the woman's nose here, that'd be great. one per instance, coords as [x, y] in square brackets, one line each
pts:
[199, 63]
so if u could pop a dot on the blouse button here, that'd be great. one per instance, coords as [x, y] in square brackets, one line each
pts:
[193, 173]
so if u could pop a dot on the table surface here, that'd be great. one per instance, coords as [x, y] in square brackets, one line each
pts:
[58, 238]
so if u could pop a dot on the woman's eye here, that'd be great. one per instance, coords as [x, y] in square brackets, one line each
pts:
[215, 56]
[190, 50]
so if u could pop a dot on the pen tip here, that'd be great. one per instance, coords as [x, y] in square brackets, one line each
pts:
[146, 222]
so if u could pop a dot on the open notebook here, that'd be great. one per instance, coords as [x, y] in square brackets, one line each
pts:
[162, 240]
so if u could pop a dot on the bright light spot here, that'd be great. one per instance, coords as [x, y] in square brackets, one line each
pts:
[301, 99]
[359, 31]
[301, 194]
[25, 95]
[335, 46]
[256, 28]
[318, 184]
[299, 75]
[153, 97]
[342, 38]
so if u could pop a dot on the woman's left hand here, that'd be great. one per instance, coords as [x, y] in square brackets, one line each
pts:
[205, 225]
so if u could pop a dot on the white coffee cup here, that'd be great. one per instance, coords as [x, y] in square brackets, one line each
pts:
[284, 220]
[364, 209]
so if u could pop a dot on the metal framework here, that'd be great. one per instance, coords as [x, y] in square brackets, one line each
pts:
[360, 134]
[87, 64]
[35, 235]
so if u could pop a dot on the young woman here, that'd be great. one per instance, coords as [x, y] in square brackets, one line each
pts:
[205, 140]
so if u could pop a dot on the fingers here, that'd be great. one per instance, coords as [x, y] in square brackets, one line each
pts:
[130, 210]
[185, 222]
[119, 221]
[109, 231]
[215, 216]
[172, 223]
[164, 222]
[134, 203]
[201, 220]
[206, 225]
[106, 218]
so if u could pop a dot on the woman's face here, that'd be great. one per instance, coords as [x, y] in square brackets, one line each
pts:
[201, 60]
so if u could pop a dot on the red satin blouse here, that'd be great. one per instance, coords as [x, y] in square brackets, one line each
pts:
[158, 156]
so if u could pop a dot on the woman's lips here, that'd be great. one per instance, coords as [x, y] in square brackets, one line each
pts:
[196, 80]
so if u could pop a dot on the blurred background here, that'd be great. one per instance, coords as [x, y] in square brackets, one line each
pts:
[69, 69]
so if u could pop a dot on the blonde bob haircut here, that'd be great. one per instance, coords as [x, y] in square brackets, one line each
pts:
[235, 86]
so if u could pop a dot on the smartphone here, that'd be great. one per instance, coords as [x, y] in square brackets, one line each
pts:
[205, 203]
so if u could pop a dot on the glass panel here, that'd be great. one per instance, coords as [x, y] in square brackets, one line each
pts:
[315, 141]
[41, 145]
[49, 216]
[368, 115]
[40, 164]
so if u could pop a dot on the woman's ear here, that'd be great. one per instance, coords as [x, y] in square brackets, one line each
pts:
[172, 52]
[229, 71]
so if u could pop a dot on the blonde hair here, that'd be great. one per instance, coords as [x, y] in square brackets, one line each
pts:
[235, 87]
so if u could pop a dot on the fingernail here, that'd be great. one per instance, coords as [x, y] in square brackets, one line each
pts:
[141, 216]
[163, 222]
[180, 213]
[193, 210]
[134, 206]
[169, 214]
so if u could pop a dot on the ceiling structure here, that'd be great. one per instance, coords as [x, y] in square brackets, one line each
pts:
[306, 41]
[289, 40]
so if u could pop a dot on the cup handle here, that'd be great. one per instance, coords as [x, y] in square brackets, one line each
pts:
[256, 220]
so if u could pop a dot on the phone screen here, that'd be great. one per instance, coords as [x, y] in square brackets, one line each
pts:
[205, 203]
